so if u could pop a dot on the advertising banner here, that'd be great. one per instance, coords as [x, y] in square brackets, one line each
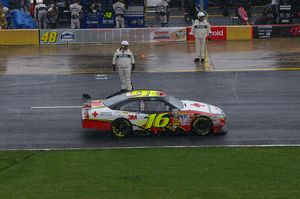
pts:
[81, 36]
[205, 4]
[262, 32]
[239, 33]
[92, 20]
[58, 36]
[271, 31]
[189, 37]
[19, 37]
[5, 3]
[167, 34]
[218, 33]
[285, 12]
[134, 17]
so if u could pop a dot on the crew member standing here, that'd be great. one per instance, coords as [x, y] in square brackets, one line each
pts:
[200, 29]
[52, 15]
[3, 21]
[76, 11]
[124, 60]
[163, 12]
[119, 9]
[275, 4]
[41, 15]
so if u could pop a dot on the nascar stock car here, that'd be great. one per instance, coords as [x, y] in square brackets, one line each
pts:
[151, 111]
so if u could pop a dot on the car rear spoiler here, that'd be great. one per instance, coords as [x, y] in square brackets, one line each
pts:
[86, 98]
[117, 93]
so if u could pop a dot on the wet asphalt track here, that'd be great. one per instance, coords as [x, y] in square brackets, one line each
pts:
[263, 108]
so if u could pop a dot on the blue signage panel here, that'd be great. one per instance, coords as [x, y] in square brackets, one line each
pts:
[5, 3]
[103, 16]
[205, 4]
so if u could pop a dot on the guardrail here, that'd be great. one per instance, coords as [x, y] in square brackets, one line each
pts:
[19, 37]
[179, 34]
[251, 32]
[82, 36]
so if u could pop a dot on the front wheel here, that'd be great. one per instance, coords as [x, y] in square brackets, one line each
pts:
[121, 127]
[202, 126]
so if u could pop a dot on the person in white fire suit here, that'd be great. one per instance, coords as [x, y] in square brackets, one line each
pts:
[124, 60]
[163, 12]
[119, 9]
[200, 29]
[41, 15]
[52, 15]
[76, 11]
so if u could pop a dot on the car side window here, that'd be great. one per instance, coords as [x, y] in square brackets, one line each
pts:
[155, 106]
[130, 106]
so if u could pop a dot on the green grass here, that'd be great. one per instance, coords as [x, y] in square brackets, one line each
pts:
[219, 173]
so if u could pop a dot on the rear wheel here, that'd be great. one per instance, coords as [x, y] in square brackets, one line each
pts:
[202, 126]
[121, 127]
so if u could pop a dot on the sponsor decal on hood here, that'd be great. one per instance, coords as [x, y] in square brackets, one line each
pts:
[96, 103]
[196, 106]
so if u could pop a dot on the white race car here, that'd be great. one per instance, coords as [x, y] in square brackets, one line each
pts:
[151, 111]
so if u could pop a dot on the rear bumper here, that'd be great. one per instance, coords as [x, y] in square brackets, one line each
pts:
[96, 124]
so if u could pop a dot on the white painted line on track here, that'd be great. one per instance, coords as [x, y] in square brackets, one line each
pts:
[54, 107]
[158, 147]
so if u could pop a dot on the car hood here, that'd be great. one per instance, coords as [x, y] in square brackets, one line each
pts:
[201, 107]
[97, 104]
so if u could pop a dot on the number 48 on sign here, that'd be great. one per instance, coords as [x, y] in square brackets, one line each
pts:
[49, 37]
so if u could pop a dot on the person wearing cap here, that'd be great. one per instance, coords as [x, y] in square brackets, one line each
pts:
[124, 60]
[200, 29]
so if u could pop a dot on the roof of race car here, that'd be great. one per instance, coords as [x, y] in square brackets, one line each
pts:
[145, 93]
[134, 95]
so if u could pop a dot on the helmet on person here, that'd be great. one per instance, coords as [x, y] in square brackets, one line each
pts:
[124, 43]
[201, 14]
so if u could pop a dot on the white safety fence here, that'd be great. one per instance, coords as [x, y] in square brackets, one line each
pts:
[83, 36]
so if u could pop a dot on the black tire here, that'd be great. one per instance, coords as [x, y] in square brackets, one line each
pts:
[121, 127]
[202, 126]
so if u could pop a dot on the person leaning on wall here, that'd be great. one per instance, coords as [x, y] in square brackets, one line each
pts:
[119, 8]
[3, 21]
[274, 4]
[52, 15]
[41, 15]
[76, 12]
[163, 13]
